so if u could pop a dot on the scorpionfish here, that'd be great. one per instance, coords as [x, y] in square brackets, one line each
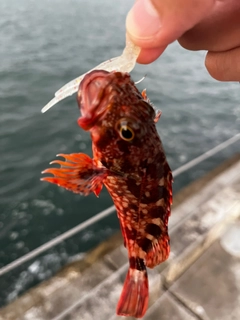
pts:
[128, 158]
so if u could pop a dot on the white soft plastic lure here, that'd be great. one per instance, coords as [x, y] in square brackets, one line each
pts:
[123, 63]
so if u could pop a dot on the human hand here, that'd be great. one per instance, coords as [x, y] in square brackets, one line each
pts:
[212, 25]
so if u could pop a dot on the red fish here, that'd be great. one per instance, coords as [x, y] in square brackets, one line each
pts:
[128, 158]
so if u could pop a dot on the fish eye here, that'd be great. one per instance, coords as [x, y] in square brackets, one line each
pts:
[125, 131]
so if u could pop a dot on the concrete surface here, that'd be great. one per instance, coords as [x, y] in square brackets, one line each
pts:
[200, 280]
[211, 285]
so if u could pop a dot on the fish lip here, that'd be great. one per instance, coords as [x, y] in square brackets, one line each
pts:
[88, 123]
[92, 98]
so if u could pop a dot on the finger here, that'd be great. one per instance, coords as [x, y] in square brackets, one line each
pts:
[219, 31]
[224, 66]
[156, 23]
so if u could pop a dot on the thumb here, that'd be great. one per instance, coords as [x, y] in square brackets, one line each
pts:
[156, 23]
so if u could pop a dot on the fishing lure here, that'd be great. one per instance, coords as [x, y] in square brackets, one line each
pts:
[124, 63]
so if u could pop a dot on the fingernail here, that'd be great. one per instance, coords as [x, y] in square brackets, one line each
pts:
[143, 21]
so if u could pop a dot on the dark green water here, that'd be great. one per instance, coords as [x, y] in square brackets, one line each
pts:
[43, 45]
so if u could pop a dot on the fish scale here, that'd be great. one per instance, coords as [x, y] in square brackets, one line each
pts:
[128, 158]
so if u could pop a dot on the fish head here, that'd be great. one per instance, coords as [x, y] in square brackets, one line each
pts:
[119, 118]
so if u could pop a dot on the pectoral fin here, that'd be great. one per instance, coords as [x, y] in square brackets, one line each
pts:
[78, 173]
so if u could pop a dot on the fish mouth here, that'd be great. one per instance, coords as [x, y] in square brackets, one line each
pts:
[93, 98]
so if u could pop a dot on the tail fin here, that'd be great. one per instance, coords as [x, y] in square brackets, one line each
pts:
[134, 297]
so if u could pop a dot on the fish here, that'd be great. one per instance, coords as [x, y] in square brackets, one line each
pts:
[129, 159]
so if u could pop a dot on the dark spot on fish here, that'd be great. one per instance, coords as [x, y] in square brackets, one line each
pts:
[156, 193]
[137, 263]
[145, 244]
[156, 169]
[154, 230]
[138, 139]
[165, 193]
[140, 264]
[107, 136]
[156, 212]
[133, 188]
[133, 206]
[126, 166]
[102, 143]
[130, 234]
[123, 146]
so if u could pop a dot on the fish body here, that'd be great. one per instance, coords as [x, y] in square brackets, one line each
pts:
[128, 158]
